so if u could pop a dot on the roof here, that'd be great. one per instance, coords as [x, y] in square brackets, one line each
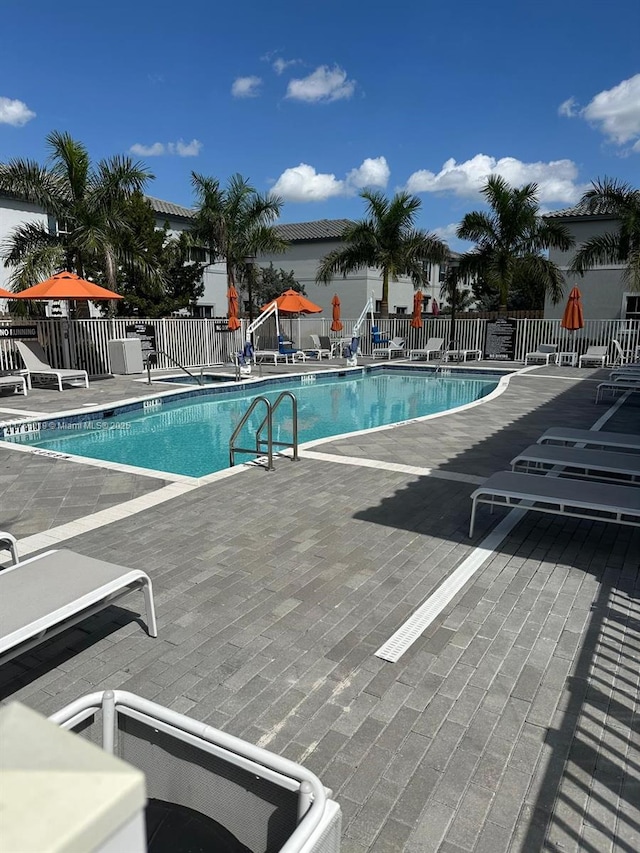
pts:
[320, 229]
[576, 211]
[169, 208]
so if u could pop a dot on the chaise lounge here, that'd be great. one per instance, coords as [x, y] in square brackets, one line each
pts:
[607, 465]
[558, 496]
[35, 362]
[544, 354]
[594, 356]
[394, 347]
[591, 438]
[18, 383]
[44, 595]
[432, 347]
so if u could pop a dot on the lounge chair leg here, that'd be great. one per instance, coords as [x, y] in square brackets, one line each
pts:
[152, 626]
[473, 517]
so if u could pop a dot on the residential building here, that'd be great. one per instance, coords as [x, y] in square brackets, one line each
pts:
[605, 295]
[308, 243]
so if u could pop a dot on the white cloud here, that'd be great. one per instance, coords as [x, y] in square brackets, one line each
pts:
[303, 183]
[322, 85]
[14, 112]
[280, 65]
[556, 179]
[246, 87]
[447, 232]
[159, 149]
[617, 111]
[374, 172]
[568, 108]
[185, 149]
[155, 150]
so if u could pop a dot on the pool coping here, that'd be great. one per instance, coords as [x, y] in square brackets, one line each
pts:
[22, 426]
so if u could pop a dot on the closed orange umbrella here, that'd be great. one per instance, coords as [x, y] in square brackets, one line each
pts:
[67, 285]
[416, 320]
[232, 311]
[336, 325]
[573, 317]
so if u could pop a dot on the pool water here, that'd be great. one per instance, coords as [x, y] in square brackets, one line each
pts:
[191, 436]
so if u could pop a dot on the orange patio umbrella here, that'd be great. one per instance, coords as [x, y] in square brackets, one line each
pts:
[6, 294]
[67, 285]
[573, 317]
[232, 312]
[416, 319]
[336, 325]
[292, 302]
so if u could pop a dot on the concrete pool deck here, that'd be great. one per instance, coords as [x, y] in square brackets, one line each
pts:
[510, 725]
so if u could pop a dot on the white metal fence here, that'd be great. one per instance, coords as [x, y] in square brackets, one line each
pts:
[192, 342]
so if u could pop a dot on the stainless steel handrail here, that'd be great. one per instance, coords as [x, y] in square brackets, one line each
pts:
[268, 422]
[294, 424]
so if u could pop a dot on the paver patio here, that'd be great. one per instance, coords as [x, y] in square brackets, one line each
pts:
[510, 725]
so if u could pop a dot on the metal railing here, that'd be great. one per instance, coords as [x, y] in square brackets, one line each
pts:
[269, 442]
[194, 342]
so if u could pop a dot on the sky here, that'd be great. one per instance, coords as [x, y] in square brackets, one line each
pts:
[315, 101]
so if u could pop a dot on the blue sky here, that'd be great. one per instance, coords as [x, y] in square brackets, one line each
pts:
[317, 100]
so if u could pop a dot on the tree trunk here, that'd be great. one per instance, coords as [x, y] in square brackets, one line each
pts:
[384, 302]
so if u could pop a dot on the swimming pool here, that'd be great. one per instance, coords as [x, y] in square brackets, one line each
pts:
[191, 436]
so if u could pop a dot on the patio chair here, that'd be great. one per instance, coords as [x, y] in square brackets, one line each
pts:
[9, 543]
[35, 361]
[617, 386]
[559, 496]
[394, 347]
[591, 438]
[287, 349]
[545, 354]
[433, 345]
[51, 592]
[13, 380]
[596, 356]
[612, 466]
[318, 349]
[377, 338]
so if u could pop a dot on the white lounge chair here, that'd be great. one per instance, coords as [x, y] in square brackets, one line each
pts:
[321, 349]
[577, 462]
[47, 594]
[394, 347]
[559, 496]
[18, 383]
[432, 347]
[461, 354]
[545, 354]
[35, 361]
[617, 386]
[591, 438]
[595, 356]
[9, 543]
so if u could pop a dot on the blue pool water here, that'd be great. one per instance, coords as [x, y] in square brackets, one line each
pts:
[191, 436]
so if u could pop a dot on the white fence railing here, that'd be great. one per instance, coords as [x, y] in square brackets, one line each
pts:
[193, 342]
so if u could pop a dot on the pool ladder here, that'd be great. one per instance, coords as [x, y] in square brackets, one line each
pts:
[267, 421]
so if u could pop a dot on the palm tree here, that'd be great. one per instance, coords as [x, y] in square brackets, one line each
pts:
[236, 224]
[388, 240]
[622, 247]
[510, 242]
[88, 204]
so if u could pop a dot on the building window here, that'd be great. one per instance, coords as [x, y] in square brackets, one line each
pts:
[378, 307]
[428, 268]
[632, 307]
[401, 309]
[198, 254]
[205, 311]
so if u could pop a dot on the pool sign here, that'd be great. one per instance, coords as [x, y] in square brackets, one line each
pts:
[12, 333]
[147, 335]
[500, 340]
